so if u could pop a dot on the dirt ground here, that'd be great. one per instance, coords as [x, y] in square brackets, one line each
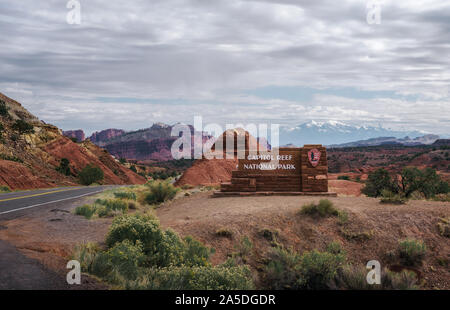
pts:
[373, 229]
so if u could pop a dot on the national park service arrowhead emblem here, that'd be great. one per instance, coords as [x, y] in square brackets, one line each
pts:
[314, 157]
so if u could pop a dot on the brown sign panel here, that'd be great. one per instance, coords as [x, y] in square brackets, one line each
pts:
[291, 170]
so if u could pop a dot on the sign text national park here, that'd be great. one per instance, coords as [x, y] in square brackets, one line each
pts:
[290, 170]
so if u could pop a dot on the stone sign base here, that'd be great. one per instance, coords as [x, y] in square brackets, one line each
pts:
[245, 194]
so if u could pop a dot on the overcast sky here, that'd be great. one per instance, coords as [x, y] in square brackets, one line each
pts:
[131, 63]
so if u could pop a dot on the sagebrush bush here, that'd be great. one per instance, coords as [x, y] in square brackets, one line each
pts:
[126, 258]
[335, 247]
[317, 269]
[113, 204]
[85, 253]
[125, 195]
[162, 248]
[312, 270]
[411, 252]
[324, 208]
[281, 272]
[444, 227]
[389, 197]
[85, 210]
[194, 278]
[160, 192]
[355, 278]
[4, 189]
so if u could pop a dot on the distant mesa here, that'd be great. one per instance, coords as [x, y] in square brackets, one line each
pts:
[76, 134]
[100, 137]
[441, 142]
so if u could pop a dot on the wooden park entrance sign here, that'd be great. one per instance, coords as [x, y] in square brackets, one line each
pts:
[298, 171]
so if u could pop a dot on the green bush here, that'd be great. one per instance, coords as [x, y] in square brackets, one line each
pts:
[343, 177]
[335, 247]
[281, 272]
[195, 278]
[125, 195]
[323, 209]
[22, 127]
[355, 278]
[427, 182]
[3, 108]
[162, 248]
[377, 181]
[64, 167]
[411, 252]
[4, 189]
[125, 258]
[312, 270]
[85, 253]
[85, 210]
[90, 174]
[389, 197]
[317, 269]
[160, 192]
[113, 204]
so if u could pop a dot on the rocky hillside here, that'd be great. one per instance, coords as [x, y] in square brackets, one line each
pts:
[78, 135]
[102, 137]
[31, 151]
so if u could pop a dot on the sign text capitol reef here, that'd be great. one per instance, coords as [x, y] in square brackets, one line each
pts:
[297, 170]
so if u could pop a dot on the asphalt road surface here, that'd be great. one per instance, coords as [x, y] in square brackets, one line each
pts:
[16, 270]
[20, 202]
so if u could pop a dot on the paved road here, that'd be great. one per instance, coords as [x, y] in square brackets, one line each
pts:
[16, 270]
[20, 202]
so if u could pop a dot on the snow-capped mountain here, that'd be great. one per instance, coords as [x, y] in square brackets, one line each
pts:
[335, 132]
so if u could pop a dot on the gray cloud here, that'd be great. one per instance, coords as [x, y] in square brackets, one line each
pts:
[181, 58]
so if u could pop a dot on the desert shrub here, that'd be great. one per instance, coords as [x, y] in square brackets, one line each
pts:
[144, 228]
[160, 192]
[427, 182]
[411, 252]
[3, 109]
[444, 227]
[389, 197]
[442, 197]
[187, 186]
[269, 234]
[22, 127]
[352, 235]
[4, 189]
[342, 217]
[85, 253]
[103, 211]
[335, 247]
[224, 232]
[125, 195]
[354, 278]
[377, 181]
[195, 278]
[162, 248]
[90, 174]
[317, 269]
[11, 158]
[323, 209]
[85, 210]
[343, 177]
[64, 167]
[243, 248]
[125, 258]
[133, 168]
[113, 204]
[281, 271]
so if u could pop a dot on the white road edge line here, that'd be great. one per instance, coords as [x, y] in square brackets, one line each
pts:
[46, 203]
